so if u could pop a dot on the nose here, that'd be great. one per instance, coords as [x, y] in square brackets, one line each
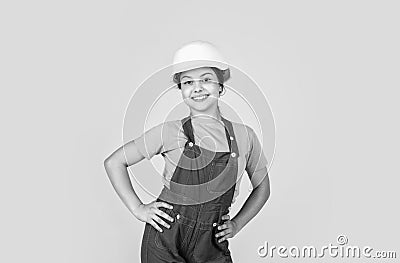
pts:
[198, 86]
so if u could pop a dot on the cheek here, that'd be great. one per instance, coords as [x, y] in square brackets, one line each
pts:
[185, 93]
[214, 90]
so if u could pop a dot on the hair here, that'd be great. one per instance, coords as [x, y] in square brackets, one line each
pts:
[217, 72]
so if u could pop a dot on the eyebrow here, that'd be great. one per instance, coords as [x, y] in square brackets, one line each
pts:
[200, 75]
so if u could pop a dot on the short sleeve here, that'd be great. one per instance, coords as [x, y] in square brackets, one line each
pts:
[256, 166]
[150, 142]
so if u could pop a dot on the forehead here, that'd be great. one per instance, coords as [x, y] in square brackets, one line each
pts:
[197, 72]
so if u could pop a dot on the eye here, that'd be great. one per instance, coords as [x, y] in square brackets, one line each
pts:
[188, 82]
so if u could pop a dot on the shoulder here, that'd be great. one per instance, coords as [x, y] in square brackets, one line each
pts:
[173, 125]
[166, 135]
[243, 131]
[168, 126]
[163, 131]
[246, 137]
[171, 130]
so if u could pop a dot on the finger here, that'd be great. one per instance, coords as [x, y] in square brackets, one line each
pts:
[223, 226]
[163, 214]
[154, 224]
[225, 217]
[224, 238]
[222, 233]
[163, 204]
[160, 221]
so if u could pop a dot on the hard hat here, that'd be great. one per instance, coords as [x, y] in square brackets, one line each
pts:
[198, 54]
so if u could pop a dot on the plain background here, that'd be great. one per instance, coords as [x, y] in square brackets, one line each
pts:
[330, 71]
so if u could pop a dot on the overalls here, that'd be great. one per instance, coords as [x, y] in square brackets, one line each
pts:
[201, 192]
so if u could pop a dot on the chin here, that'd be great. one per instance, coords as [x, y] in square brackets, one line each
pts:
[203, 107]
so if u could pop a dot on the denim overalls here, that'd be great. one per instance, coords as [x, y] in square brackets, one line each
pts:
[201, 192]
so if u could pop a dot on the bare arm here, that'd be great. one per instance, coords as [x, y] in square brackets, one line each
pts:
[257, 170]
[256, 200]
[116, 167]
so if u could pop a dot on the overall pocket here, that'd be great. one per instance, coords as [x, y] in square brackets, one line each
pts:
[174, 238]
[167, 239]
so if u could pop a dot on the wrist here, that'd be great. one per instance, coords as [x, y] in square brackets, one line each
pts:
[237, 224]
[135, 209]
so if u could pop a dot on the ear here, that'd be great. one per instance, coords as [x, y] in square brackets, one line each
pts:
[221, 90]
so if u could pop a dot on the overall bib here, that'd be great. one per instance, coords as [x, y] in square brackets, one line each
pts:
[201, 192]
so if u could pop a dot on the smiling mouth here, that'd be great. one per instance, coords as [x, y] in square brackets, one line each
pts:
[200, 98]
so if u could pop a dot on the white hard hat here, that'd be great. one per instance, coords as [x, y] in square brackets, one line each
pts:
[198, 54]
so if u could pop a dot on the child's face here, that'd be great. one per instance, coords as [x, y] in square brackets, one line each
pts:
[200, 89]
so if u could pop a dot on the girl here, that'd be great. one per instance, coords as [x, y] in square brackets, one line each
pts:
[205, 155]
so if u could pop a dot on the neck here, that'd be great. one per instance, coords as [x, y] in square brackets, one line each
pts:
[214, 114]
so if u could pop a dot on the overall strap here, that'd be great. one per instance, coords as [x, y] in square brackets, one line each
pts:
[188, 128]
[188, 131]
[228, 136]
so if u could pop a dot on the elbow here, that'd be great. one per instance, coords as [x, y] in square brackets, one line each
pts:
[266, 189]
[110, 162]
[263, 189]
[109, 166]
[267, 193]
[107, 162]
[114, 160]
